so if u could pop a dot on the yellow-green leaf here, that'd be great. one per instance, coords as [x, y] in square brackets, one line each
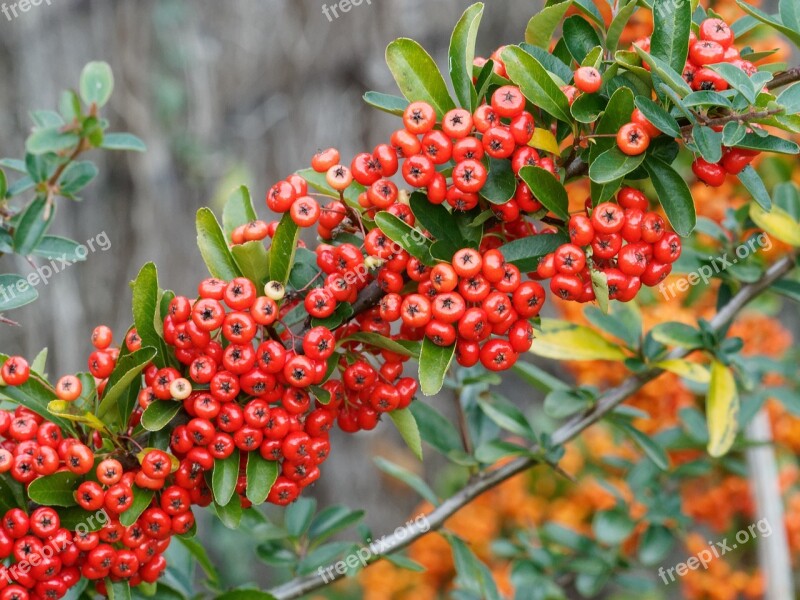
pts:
[722, 408]
[544, 140]
[567, 341]
[686, 369]
[777, 223]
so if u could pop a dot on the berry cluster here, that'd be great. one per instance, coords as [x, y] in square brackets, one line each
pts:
[714, 45]
[465, 303]
[626, 242]
[43, 560]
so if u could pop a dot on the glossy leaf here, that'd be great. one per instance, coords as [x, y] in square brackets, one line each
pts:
[673, 194]
[238, 210]
[417, 75]
[159, 414]
[434, 361]
[282, 251]
[32, 225]
[415, 482]
[612, 165]
[407, 426]
[261, 475]
[547, 189]
[670, 39]
[54, 490]
[15, 292]
[410, 239]
[525, 252]
[462, 55]
[224, 477]
[534, 82]
[214, 247]
[542, 24]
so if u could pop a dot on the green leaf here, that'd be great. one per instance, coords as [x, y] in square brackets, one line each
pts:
[525, 252]
[677, 334]
[600, 288]
[563, 340]
[198, 551]
[230, 514]
[493, 451]
[542, 25]
[261, 476]
[462, 54]
[224, 477]
[435, 429]
[394, 105]
[118, 590]
[507, 416]
[331, 520]
[500, 182]
[751, 10]
[550, 62]
[97, 83]
[299, 516]
[538, 378]
[77, 176]
[146, 313]
[738, 80]
[722, 408]
[790, 99]
[655, 545]
[238, 210]
[377, 340]
[417, 75]
[50, 140]
[141, 500]
[32, 226]
[647, 444]
[770, 143]
[547, 189]
[253, 261]
[560, 404]
[214, 248]
[752, 181]
[674, 194]
[128, 368]
[535, 83]
[54, 247]
[434, 361]
[670, 39]
[709, 143]
[325, 555]
[580, 37]
[122, 141]
[407, 426]
[666, 73]
[284, 247]
[613, 164]
[612, 527]
[733, 133]
[412, 480]
[15, 292]
[54, 490]
[410, 239]
[471, 574]
[618, 112]
[617, 27]
[159, 414]
[587, 108]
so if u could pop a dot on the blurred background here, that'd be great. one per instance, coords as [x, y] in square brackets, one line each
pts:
[222, 93]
